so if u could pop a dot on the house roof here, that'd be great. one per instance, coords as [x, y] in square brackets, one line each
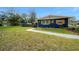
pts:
[54, 17]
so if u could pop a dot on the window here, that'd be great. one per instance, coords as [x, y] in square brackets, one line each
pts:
[45, 22]
[48, 22]
[42, 22]
[52, 21]
[60, 22]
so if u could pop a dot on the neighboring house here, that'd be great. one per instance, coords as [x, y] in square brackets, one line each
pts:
[72, 23]
[55, 21]
[77, 23]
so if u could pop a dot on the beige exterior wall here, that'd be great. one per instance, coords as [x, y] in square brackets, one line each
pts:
[72, 22]
[77, 23]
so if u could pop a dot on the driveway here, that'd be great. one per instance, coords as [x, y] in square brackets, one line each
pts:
[56, 34]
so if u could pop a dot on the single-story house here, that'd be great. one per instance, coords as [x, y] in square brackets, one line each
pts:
[55, 21]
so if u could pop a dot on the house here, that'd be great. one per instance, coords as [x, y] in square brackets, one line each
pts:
[55, 21]
[77, 23]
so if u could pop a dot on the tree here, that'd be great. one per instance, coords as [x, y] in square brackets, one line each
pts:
[32, 17]
[3, 18]
[0, 22]
[13, 17]
[25, 17]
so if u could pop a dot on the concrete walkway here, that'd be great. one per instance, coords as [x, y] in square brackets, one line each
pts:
[56, 34]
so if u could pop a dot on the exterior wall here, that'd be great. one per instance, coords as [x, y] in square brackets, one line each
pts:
[71, 22]
[54, 24]
[40, 24]
[77, 24]
[64, 22]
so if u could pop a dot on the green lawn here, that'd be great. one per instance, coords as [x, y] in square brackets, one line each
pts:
[14, 28]
[57, 30]
[18, 39]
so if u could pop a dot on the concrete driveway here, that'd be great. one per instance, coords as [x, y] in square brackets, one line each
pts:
[56, 34]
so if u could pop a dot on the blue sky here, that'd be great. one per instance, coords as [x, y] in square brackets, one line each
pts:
[43, 11]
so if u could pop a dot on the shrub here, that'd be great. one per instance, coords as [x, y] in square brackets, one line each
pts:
[77, 29]
[72, 29]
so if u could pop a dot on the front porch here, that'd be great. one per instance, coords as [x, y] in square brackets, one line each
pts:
[56, 23]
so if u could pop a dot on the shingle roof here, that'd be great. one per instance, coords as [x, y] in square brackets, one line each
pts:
[54, 17]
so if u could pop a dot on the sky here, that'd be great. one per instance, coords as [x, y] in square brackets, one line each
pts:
[44, 11]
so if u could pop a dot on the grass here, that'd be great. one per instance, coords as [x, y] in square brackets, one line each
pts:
[57, 30]
[18, 39]
[14, 28]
